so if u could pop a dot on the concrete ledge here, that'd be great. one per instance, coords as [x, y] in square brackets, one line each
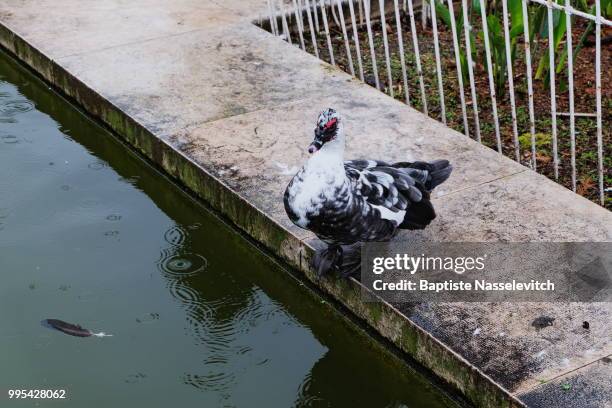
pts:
[226, 109]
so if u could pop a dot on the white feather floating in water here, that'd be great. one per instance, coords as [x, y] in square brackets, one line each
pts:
[101, 334]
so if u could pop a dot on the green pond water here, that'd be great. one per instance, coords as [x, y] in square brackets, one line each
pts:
[91, 234]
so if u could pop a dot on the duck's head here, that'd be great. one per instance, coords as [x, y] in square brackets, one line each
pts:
[328, 131]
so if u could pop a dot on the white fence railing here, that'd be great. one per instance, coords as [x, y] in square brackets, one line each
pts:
[331, 20]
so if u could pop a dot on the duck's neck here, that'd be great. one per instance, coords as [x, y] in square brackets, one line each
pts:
[329, 160]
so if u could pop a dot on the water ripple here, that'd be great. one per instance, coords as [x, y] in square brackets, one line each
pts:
[305, 398]
[175, 236]
[249, 316]
[195, 226]
[212, 381]
[244, 350]
[215, 336]
[184, 264]
[9, 139]
[186, 294]
[216, 359]
[199, 313]
[98, 165]
[148, 318]
[15, 107]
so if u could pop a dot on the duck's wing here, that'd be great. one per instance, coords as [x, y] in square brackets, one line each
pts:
[400, 191]
[383, 185]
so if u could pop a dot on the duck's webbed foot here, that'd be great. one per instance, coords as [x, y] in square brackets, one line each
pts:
[351, 261]
[328, 259]
[344, 261]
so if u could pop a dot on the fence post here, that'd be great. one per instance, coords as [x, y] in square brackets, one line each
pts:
[529, 83]
[356, 38]
[300, 24]
[434, 26]
[371, 42]
[400, 42]
[327, 36]
[272, 17]
[345, 36]
[598, 100]
[570, 85]
[381, 4]
[468, 51]
[510, 79]
[285, 25]
[487, 43]
[415, 43]
[312, 30]
[553, 92]
[466, 128]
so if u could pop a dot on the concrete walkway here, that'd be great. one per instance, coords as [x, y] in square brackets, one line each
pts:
[228, 110]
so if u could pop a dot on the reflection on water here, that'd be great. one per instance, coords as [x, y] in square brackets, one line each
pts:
[91, 234]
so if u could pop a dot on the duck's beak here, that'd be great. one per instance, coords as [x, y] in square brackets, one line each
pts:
[314, 147]
[317, 143]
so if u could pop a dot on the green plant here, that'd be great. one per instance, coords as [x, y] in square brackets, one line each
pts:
[542, 140]
[443, 12]
[496, 37]
[498, 44]
[606, 12]
[540, 27]
[538, 30]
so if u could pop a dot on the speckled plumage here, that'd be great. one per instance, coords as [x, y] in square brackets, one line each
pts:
[370, 204]
[344, 202]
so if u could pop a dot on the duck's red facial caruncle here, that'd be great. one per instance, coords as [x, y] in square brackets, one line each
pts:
[326, 130]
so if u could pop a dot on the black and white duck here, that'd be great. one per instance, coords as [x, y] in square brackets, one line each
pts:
[347, 202]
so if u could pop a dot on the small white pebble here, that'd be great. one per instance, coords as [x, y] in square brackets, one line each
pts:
[476, 332]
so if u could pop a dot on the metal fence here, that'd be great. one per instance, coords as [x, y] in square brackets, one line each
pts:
[342, 30]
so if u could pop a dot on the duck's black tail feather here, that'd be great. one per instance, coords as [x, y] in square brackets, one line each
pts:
[439, 171]
[419, 215]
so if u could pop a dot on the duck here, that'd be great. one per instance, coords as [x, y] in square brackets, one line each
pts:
[348, 202]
